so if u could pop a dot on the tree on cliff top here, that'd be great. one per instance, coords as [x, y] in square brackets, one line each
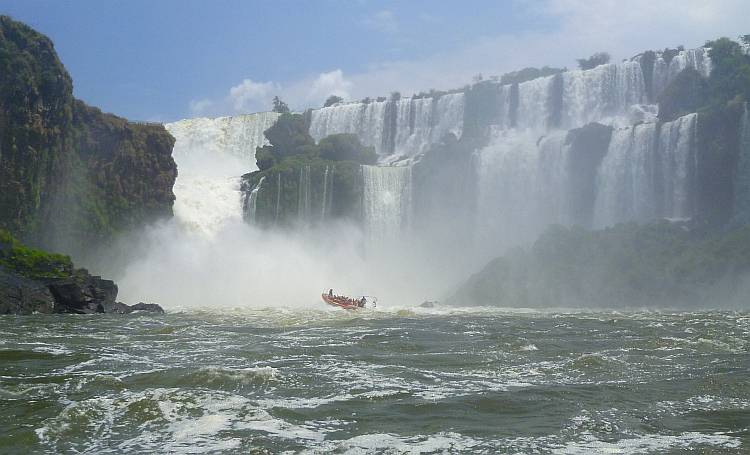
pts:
[333, 99]
[600, 58]
[280, 106]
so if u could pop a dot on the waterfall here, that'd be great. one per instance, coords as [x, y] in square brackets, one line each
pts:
[603, 94]
[646, 173]
[366, 120]
[386, 200]
[625, 180]
[305, 204]
[664, 71]
[677, 153]
[525, 179]
[533, 110]
[230, 139]
[327, 192]
[408, 125]
[211, 154]
[522, 185]
[741, 183]
[251, 204]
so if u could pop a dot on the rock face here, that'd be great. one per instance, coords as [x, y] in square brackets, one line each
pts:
[78, 295]
[70, 175]
[32, 281]
[21, 295]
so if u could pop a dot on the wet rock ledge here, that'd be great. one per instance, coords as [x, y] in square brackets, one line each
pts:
[32, 281]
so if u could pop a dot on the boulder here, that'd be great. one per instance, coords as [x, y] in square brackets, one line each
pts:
[77, 295]
[21, 295]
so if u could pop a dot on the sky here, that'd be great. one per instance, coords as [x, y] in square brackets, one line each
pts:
[166, 60]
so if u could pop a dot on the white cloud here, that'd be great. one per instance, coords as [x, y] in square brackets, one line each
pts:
[198, 107]
[246, 98]
[557, 33]
[249, 95]
[328, 84]
[573, 29]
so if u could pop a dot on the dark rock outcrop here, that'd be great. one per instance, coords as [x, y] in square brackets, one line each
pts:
[80, 295]
[32, 281]
[21, 295]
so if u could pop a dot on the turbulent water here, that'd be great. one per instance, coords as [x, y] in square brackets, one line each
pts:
[301, 377]
[392, 380]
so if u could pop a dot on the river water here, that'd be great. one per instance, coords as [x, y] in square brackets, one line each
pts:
[393, 380]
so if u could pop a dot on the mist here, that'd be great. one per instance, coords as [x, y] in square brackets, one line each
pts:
[549, 156]
[208, 255]
[176, 264]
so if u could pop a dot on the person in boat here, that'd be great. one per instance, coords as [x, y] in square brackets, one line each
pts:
[330, 292]
[362, 302]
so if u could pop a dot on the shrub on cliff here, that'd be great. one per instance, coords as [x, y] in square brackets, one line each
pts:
[30, 262]
[343, 147]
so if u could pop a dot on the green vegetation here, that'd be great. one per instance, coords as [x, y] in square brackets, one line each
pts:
[31, 263]
[719, 130]
[685, 94]
[71, 176]
[333, 99]
[279, 106]
[295, 175]
[649, 265]
[600, 58]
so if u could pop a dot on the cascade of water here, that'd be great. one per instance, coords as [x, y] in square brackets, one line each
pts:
[226, 139]
[386, 200]
[664, 71]
[448, 116]
[677, 155]
[417, 123]
[211, 154]
[533, 110]
[327, 192]
[625, 177]
[252, 200]
[304, 201]
[554, 186]
[523, 185]
[646, 173]
[366, 120]
[603, 94]
[741, 183]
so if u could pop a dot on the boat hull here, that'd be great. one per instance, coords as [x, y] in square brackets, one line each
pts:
[341, 304]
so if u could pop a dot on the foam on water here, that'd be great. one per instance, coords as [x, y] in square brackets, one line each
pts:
[398, 379]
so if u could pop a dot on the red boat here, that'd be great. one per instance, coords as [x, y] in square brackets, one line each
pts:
[346, 302]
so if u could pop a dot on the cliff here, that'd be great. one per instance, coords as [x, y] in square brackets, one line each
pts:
[70, 175]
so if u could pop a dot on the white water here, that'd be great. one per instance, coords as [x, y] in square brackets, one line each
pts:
[665, 71]
[644, 167]
[418, 123]
[523, 185]
[207, 256]
[524, 175]
[211, 155]
[386, 201]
